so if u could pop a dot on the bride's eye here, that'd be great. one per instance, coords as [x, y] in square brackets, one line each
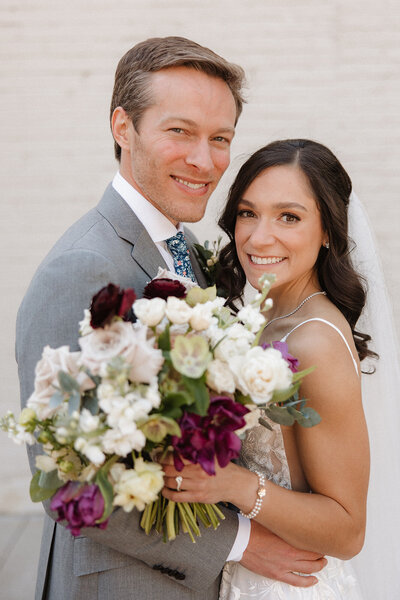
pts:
[290, 218]
[245, 213]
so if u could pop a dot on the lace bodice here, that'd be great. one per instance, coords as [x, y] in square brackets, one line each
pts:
[263, 450]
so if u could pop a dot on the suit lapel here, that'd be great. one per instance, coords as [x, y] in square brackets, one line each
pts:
[144, 252]
[126, 224]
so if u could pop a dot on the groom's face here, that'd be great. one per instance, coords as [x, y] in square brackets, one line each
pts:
[181, 147]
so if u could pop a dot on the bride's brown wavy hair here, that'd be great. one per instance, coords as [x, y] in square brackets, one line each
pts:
[331, 187]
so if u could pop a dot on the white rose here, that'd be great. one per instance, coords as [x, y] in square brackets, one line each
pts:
[121, 339]
[251, 318]
[219, 378]
[150, 312]
[145, 360]
[178, 311]
[139, 486]
[260, 372]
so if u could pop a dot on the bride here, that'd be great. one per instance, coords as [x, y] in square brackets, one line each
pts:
[287, 214]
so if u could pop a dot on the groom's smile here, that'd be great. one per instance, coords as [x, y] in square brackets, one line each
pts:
[181, 147]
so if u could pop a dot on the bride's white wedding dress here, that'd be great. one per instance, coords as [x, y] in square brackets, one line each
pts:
[263, 451]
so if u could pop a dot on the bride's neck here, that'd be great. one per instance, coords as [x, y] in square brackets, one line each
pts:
[286, 299]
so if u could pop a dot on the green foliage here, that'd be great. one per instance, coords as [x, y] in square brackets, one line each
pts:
[44, 485]
[106, 490]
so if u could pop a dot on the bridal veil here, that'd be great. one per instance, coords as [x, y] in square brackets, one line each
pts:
[378, 563]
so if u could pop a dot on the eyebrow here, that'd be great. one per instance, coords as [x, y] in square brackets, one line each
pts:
[194, 124]
[279, 205]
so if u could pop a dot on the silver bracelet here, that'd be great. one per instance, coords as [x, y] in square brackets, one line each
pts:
[261, 492]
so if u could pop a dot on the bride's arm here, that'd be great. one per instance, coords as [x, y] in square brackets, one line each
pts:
[334, 456]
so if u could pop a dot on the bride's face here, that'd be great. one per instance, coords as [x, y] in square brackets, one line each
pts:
[278, 227]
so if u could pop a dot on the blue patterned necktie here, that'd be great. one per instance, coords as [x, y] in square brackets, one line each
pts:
[180, 252]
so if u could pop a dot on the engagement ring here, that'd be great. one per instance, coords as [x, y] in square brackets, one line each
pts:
[178, 480]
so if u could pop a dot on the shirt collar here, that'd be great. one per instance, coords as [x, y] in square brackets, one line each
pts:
[156, 224]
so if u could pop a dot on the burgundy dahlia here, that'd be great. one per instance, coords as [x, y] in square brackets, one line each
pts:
[109, 302]
[205, 438]
[162, 288]
[283, 349]
[80, 504]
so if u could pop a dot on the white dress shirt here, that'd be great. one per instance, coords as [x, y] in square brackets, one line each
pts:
[160, 228]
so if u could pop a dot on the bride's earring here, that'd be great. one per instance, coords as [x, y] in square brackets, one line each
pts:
[326, 245]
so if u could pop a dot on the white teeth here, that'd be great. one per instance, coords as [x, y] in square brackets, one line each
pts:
[265, 261]
[193, 186]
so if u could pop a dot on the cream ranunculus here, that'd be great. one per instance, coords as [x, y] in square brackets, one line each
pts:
[178, 311]
[150, 311]
[219, 378]
[260, 372]
[139, 486]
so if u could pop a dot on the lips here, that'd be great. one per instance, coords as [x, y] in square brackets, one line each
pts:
[190, 184]
[266, 260]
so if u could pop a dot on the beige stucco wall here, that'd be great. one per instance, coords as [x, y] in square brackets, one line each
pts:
[324, 70]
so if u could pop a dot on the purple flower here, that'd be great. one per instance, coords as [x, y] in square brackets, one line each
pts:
[80, 504]
[109, 302]
[162, 288]
[205, 438]
[283, 349]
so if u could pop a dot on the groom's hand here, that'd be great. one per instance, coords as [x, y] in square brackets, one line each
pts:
[269, 556]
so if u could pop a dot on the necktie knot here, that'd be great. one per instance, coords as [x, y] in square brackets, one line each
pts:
[178, 247]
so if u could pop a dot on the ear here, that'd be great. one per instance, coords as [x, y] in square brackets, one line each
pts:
[120, 124]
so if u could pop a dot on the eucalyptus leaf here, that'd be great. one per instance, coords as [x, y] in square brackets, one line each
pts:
[74, 402]
[67, 382]
[39, 493]
[49, 481]
[279, 414]
[91, 402]
[106, 490]
[309, 417]
[56, 399]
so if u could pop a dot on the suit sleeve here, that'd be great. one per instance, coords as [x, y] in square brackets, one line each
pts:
[50, 314]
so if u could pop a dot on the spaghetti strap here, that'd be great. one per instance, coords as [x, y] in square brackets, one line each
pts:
[285, 337]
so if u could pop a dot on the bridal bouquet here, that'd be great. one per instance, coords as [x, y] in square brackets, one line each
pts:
[188, 377]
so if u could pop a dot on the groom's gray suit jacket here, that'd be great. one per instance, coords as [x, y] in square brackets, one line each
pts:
[108, 244]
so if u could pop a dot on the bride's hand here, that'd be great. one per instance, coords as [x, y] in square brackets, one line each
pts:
[197, 486]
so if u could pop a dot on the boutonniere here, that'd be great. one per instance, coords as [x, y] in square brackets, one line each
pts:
[208, 258]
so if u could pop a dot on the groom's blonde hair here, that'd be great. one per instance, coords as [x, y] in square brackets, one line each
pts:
[132, 87]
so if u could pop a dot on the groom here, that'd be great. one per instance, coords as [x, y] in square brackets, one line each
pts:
[173, 114]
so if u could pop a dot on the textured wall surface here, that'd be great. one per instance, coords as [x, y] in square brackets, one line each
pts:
[324, 70]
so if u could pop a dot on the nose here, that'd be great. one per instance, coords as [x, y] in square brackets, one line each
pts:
[200, 156]
[262, 235]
